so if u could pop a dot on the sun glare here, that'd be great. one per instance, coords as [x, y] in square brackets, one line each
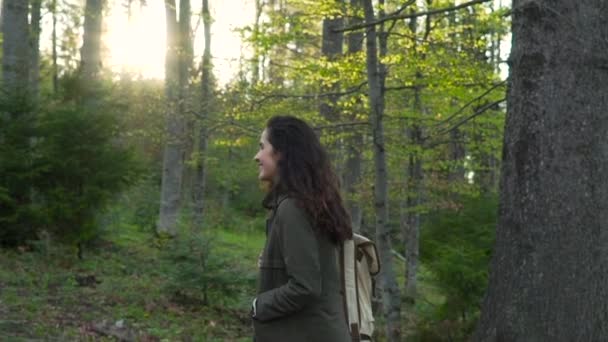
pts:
[137, 44]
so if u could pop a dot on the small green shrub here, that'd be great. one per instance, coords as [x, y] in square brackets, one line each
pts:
[58, 170]
[82, 166]
[19, 214]
[456, 246]
[198, 274]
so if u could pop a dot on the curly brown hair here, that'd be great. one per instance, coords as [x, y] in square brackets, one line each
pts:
[305, 174]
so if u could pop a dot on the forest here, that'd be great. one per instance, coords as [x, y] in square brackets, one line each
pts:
[469, 138]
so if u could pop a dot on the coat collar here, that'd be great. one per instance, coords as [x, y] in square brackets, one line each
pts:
[273, 199]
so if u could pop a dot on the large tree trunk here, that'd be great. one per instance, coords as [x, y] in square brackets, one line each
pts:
[35, 48]
[15, 33]
[173, 157]
[206, 103]
[550, 265]
[391, 300]
[90, 53]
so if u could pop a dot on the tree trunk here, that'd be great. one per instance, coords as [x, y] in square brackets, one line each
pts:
[185, 64]
[206, 103]
[90, 53]
[173, 157]
[487, 175]
[35, 49]
[15, 66]
[391, 301]
[456, 150]
[415, 178]
[54, 47]
[354, 142]
[331, 48]
[255, 61]
[550, 265]
[412, 225]
[411, 221]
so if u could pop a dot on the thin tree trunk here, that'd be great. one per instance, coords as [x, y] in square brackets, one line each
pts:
[487, 175]
[255, 61]
[54, 47]
[457, 153]
[206, 104]
[185, 63]
[354, 141]
[173, 157]
[90, 53]
[415, 177]
[331, 48]
[412, 226]
[15, 66]
[391, 300]
[227, 188]
[274, 73]
[550, 264]
[35, 49]
[415, 186]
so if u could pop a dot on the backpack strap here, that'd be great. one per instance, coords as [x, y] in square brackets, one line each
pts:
[350, 287]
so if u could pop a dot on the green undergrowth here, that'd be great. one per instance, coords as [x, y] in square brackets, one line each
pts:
[119, 289]
[126, 284]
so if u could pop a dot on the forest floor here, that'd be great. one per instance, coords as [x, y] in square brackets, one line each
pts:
[117, 292]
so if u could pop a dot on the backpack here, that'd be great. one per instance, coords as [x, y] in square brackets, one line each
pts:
[359, 263]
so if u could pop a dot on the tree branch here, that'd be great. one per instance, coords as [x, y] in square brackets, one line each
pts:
[410, 16]
[311, 96]
[449, 118]
[472, 116]
[340, 125]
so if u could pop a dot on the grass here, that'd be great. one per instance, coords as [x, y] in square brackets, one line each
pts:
[49, 294]
[43, 295]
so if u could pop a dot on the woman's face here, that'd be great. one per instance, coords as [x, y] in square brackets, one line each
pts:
[267, 159]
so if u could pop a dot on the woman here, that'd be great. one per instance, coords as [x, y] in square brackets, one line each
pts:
[299, 293]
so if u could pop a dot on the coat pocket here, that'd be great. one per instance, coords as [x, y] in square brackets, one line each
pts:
[272, 274]
[272, 263]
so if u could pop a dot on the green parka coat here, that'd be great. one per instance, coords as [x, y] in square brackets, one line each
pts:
[299, 291]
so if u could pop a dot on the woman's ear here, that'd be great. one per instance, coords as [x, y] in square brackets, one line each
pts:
[277, 155]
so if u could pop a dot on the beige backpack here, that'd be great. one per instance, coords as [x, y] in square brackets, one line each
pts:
[359, 263]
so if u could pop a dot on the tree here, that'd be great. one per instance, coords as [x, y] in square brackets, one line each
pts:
[90, 53]
[550, 264]
[410, 220]
[55, 70]
[35, 47]
[376, 73]
[331, 49]
[255, 60]
[176, 84]
[206, 106]
[354, 142]
[15, 47]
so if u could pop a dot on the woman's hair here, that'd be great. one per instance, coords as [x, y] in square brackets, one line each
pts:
[305, 173]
